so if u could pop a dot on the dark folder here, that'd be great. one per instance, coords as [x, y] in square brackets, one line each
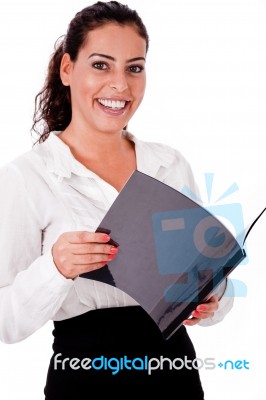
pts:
[172, 252]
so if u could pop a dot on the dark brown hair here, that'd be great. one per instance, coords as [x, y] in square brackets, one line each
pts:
[53, 104]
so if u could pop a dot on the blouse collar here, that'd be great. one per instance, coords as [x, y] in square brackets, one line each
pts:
[60, 161]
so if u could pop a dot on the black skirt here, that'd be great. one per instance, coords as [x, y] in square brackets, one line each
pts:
[115, 348]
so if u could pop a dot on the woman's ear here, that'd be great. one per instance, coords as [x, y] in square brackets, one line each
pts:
[65, 69]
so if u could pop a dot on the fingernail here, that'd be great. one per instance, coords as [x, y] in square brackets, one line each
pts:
[113, 250]
[106, 238]
[195, 313]
[201, 308]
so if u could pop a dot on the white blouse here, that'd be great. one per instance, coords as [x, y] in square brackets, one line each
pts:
[46, 192]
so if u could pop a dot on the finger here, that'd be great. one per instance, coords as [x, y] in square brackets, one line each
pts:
[87, 237]
[91, 267]
[88, 259]
[202, 315]
[75, 271]
[211, 306]
[191, 321]
[87, 248]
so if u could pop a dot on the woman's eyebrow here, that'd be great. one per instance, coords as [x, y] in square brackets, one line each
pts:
[113, 59]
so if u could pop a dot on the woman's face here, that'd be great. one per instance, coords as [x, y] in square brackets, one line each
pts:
[107, 81]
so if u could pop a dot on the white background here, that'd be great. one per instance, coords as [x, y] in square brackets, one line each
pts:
[206, 96]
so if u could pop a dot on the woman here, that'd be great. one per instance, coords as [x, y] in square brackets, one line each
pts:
[57, 194]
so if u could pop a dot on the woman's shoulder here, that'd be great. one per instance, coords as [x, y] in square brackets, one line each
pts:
[26, 164]
[164, 152]
[35, 158]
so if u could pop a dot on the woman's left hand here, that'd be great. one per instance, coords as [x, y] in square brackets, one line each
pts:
[203, 311]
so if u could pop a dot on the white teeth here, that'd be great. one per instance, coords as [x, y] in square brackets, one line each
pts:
[114, 104]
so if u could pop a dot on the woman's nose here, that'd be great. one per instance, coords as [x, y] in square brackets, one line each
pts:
[118, 82]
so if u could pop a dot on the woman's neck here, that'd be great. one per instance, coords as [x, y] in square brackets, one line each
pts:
[94, 146]
[109, 155]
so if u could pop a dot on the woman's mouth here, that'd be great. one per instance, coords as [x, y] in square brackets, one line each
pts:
[113, 107]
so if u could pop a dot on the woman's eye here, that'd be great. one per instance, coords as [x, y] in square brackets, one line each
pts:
[136, 69]
[99, 65]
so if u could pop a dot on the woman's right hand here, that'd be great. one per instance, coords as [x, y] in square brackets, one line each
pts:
[80, 251]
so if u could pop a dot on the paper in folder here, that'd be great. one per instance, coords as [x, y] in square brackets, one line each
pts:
[172, 252]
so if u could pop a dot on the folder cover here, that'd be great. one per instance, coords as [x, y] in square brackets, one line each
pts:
[172, 252]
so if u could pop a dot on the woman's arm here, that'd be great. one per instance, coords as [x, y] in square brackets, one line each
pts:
[31, 287]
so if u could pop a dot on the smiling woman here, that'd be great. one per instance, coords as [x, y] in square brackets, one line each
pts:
[57, 194]
[107, 81]
[107, 84]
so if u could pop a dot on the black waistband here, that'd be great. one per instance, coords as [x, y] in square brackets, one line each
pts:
[113, 330]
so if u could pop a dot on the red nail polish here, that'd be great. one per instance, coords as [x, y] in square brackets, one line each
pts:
[201, 308]
[106, 238]
[114, 250]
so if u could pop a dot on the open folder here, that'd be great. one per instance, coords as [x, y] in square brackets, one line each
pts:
[172, 252]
